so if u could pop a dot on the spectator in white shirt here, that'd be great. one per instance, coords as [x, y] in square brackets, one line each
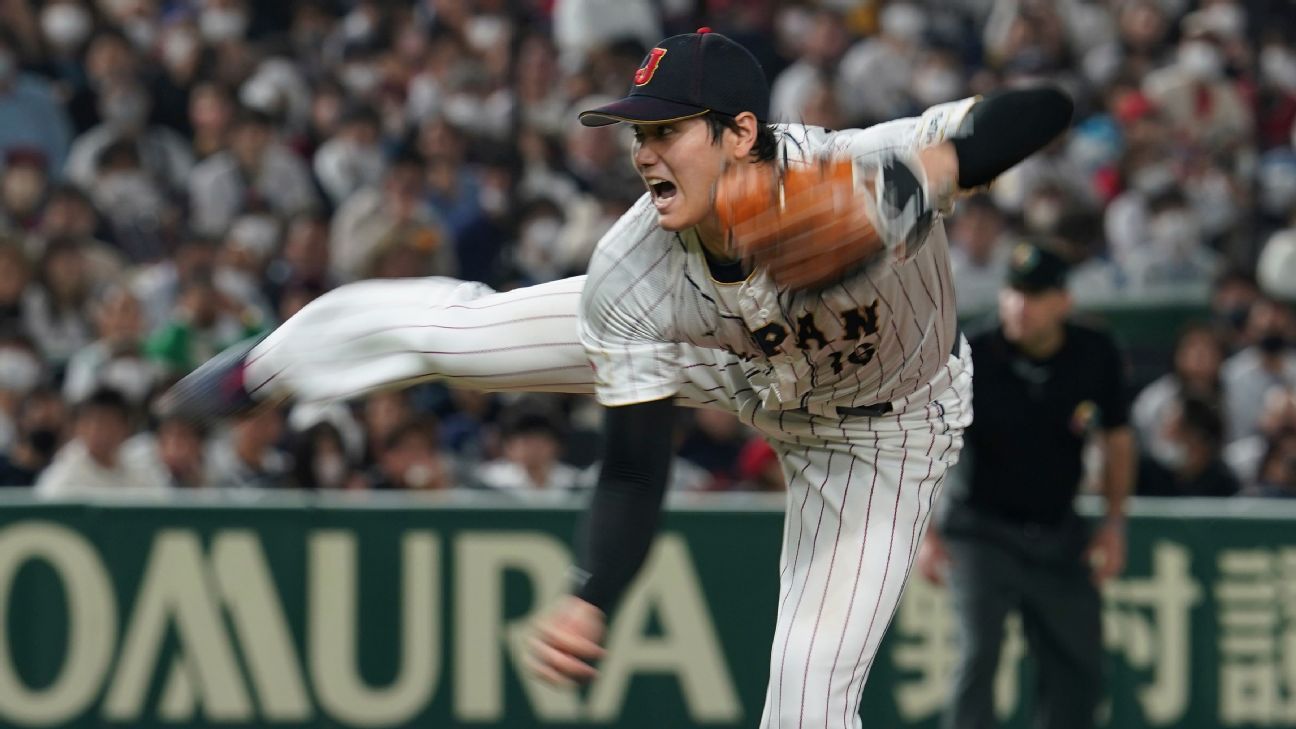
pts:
[95, 461]
[255, 173]
[978, 254]
[532, 445]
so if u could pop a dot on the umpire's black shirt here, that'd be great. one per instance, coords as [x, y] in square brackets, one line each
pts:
[1031, 421]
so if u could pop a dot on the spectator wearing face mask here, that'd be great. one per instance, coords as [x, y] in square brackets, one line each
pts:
[875, 78]
[412, 460]
[373, 214]
[1277, 417]
[352, 159]
[138, 211]
[1174, 262]
[95, 461]
[124, 106]
[320, 460]
[41, 421]
[978, 254]
[820, 39]
[205, 321]
[255, 173]
[1267, 362]
[1192, 465]
[1201, 104]
[1232, 296]
[116, 357]
[30, 116]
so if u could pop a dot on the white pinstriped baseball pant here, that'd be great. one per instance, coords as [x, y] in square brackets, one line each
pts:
[860, 489]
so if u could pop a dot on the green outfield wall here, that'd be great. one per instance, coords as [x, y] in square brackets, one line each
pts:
[297, 612]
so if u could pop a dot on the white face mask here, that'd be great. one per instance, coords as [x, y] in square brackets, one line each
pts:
[1153, 179]
[19, 370]
[1174, 232]
[222, 24]
[1278, 68]
[418, 476]
[131, 376]
[1200, 60]
[330, 471]
[360, 79]
[142, 32]
[65, 26]
[485, 32]
[178, 48]
[1041, 216]
[1278, 189]
[904, 22]
[126, 110]
[936, 86]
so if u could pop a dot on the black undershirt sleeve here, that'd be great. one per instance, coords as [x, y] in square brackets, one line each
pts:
[1007, 127]
[626, 506]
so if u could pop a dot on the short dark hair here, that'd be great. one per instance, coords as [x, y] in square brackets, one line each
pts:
[105, 399]
[766, 147]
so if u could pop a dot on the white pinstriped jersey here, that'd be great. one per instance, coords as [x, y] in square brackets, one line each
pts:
[876, 337]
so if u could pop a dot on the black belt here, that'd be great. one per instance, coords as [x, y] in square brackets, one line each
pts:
[886, 408]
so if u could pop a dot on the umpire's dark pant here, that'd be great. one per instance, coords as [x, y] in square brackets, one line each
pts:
[996, 567]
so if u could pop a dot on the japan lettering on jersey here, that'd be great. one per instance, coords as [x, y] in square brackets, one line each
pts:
[876, 337]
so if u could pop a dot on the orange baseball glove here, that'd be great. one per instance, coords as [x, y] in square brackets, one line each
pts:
[812, 225]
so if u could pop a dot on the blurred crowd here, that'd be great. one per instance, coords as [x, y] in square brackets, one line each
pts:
[176, 175]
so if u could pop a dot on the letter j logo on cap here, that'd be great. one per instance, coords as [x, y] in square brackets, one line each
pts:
[646, 71]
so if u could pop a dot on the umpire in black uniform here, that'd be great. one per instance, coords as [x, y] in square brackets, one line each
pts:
[1006, 535]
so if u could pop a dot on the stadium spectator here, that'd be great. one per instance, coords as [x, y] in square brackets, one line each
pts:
[41, 420]
[124, 107]
[1266, 362]
[205, 321]
[978, 254]
[180, 446]
[21, 372]
[23, 186]
[1192, 464]
[412, 460]
[95, 461]
[248, 457]
[30, 116]
[255, 173]
[1277, 472]
[320, 460]
[1277, 418]
[58, 301]
[116, 357]
[1194, 374]
[396, 212]
[531, 445]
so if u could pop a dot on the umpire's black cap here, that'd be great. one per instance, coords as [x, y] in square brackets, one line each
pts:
[1034, 268]
[686, 76]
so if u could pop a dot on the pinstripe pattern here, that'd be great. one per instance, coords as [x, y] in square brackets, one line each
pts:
[654, 323]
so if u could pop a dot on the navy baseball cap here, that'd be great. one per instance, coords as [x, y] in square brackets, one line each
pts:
[686, 76]
[1034, 269]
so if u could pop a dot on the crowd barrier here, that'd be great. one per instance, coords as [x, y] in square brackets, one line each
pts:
[264, 610]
